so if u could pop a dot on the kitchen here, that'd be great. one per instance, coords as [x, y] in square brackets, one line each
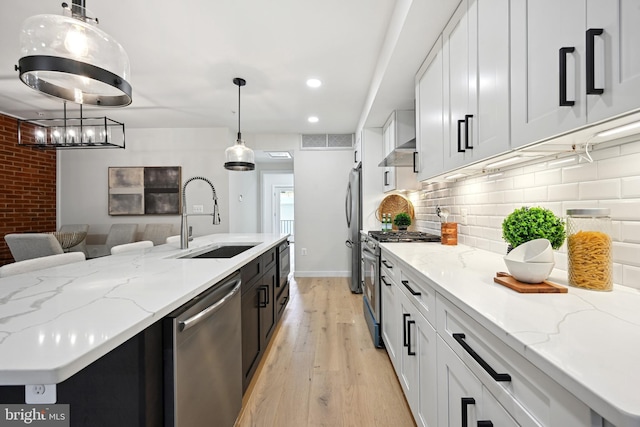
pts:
[487, 199]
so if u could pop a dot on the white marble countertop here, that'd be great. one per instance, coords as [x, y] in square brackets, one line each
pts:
[587, 341]
[55, 322]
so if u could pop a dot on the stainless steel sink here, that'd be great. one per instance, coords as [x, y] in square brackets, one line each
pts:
[222, 251]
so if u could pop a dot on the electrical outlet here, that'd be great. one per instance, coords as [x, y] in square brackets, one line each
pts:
[303, 251]
[40, 393]
[198, 208]
[463, 216]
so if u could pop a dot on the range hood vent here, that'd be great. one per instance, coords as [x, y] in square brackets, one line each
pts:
[402, 156]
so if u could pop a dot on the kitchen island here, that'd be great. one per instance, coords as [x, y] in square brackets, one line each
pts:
[58, 321]
[587, 342]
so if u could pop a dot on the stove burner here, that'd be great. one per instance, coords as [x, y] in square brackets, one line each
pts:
[403, 236]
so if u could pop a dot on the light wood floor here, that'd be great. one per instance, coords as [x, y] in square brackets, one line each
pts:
[321, 368]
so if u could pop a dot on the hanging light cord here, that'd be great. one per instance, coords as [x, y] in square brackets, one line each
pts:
[239, 133]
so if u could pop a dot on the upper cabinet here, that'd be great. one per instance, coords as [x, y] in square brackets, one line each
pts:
[573, 63]
[357, 150]
[462, 89]
[398, 129]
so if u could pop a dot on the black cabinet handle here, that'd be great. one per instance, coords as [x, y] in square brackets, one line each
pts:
[355, 156]
[386, 175]
[262, 304]
[415, 162]
[466, 131]
[591, 61]
[384, 281]
[496, 376]
[460, 149]
[563, 76]
[485, 423]
[404, 329]
[409, 323]
[406, 285]
[386, 264]
[464, 402]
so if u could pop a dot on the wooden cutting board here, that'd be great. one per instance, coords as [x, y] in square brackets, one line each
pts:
[545, 287]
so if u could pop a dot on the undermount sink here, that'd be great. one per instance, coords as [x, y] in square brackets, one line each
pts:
[224, 251]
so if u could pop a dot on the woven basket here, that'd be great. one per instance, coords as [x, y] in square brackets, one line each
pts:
[394, 204]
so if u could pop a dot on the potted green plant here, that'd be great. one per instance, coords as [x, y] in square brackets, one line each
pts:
[528, 223]
[402, 221]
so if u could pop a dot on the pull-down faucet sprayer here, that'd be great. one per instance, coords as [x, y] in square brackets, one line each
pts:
[184, 227]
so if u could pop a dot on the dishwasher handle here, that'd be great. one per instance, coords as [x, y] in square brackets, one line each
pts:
[197, 318]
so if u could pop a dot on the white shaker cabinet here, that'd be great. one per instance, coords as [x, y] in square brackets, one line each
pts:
[574, 63]
[390, 319]
[398, 129]
[462, 90]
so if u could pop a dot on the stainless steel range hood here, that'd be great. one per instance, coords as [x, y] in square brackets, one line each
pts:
[402, 156]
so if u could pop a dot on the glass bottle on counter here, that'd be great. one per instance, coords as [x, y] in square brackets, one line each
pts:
[589, 247]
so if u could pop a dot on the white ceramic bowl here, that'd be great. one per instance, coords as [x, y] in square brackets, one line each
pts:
[537, 250]
[529, 272]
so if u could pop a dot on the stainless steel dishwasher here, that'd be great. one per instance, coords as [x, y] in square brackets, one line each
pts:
[203, 358]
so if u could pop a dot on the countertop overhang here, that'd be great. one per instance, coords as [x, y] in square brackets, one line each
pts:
[587, 341]
[55, 322]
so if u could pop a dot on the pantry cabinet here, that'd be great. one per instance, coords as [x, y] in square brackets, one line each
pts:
[582, 71]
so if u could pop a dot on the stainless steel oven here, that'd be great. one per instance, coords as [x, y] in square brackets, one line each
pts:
[371, 281]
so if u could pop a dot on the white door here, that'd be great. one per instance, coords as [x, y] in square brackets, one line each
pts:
[283, 212]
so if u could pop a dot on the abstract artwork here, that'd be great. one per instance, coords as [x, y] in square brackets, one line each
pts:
[145, 190]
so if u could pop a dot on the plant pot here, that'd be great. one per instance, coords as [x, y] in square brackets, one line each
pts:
[402, 227]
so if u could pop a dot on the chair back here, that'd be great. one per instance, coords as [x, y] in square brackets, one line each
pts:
[119, 234]
[25, 246]
[73, 228]
[34, 264]
[118, 249]
[157, 233]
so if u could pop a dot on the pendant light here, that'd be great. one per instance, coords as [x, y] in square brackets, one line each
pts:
[67, 56]
[239, 157]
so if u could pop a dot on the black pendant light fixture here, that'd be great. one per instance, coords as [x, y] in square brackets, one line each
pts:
[239, 157]
[67, 56]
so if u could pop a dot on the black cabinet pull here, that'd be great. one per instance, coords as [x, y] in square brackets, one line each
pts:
[355, 156]
[404, 329]
[384, 281]
[386, 175]
[563, 76]
[406, 285]
[409, 323]
[591, 61]
[466, 131]
[415, 162]
[262, 304]
[496, 376]
[485, 423]
[386, 264]
[460, 149]
[464, 402]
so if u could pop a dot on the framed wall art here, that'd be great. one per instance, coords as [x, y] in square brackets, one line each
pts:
[145, 190]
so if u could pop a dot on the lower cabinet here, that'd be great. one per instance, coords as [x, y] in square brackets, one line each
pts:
[263, 301]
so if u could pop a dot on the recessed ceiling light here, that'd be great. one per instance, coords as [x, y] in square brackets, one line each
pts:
[313, 119]
[314, 83]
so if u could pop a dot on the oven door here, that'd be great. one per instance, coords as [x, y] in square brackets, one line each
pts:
[371, 292]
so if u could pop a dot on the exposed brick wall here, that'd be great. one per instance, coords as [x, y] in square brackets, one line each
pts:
[27, 187]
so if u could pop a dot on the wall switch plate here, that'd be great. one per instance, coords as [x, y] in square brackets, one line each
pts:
[303, 251]
[463, 216]
[198, 208]
[40, 393]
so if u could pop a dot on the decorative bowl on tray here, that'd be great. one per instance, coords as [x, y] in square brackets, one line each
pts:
[69, 239]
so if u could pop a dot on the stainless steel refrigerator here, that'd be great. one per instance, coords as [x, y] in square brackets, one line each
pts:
[353, 211]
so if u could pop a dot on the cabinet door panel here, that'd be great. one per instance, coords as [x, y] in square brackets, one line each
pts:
[251, 341]
[539, 29]
[426, 403]
[389, 320]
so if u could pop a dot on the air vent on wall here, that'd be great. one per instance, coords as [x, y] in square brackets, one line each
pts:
[327, 141]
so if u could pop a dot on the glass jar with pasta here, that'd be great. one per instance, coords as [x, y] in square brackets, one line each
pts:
[589, 249]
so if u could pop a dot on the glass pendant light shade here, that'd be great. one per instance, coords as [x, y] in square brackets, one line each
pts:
[239, 157]
[67, 56]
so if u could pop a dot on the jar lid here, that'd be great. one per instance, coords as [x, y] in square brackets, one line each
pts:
[589, 212]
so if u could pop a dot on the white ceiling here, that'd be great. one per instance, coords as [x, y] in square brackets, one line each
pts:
[184, 56]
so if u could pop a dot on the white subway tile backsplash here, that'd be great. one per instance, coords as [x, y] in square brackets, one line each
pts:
[603, 189]
[563, 192]
[631, 187]
[611, 181]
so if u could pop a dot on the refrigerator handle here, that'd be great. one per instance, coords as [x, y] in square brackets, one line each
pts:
[347, 205]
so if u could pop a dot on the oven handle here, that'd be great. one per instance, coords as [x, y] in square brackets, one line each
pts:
[368, 255]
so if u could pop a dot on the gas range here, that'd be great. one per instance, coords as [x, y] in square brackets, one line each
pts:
[403, 236]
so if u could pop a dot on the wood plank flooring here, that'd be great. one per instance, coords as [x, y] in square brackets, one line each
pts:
[321, 368]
